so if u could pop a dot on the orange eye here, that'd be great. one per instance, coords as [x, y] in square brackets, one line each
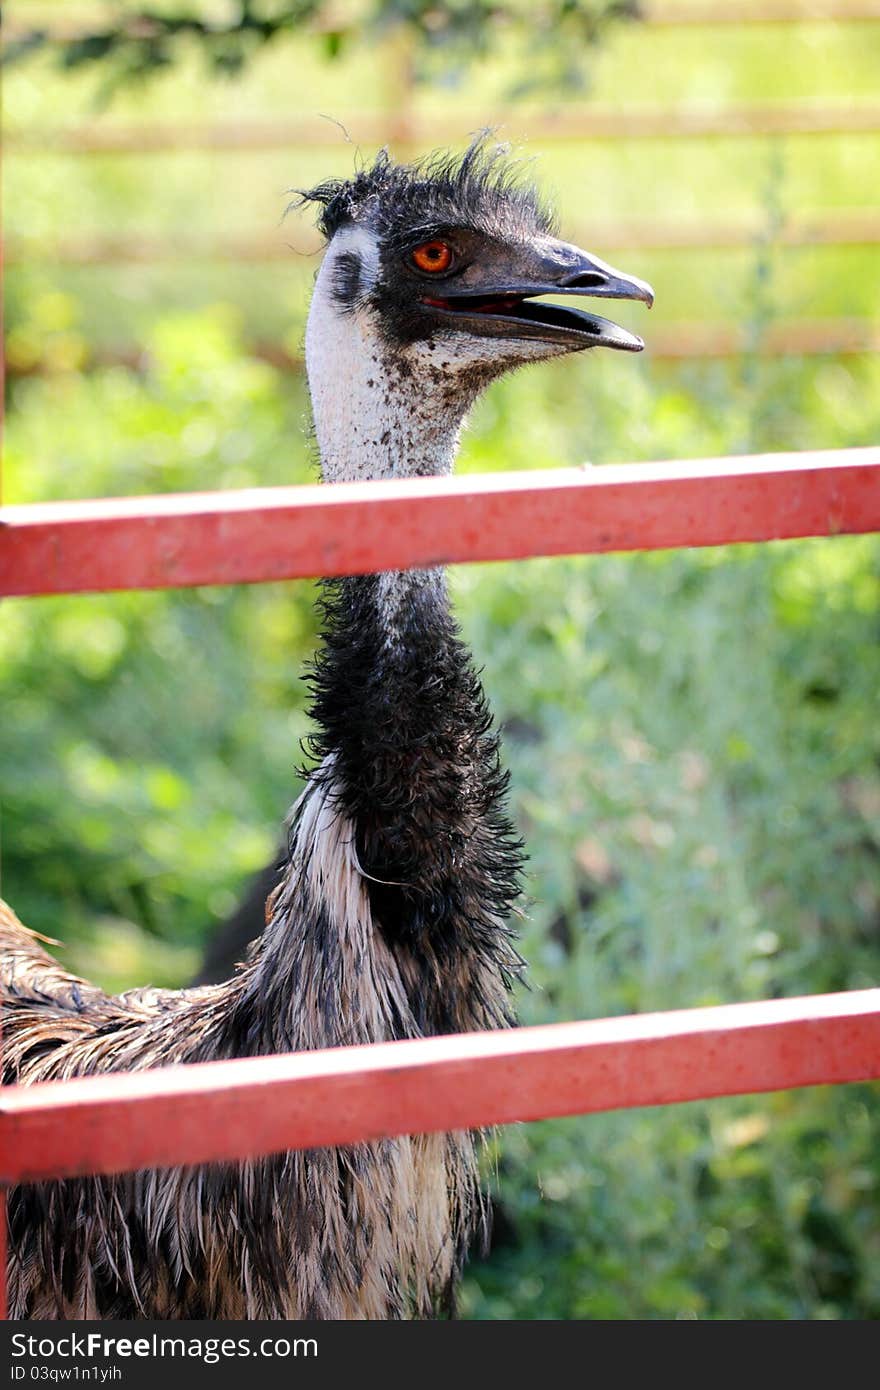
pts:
[433, 256]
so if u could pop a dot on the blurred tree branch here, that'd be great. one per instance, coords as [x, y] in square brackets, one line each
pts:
[446, 35]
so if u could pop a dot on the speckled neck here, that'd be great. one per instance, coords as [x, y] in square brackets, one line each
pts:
[378, 413]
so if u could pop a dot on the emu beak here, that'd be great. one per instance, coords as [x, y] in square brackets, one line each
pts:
[576, 272]
[503, 304]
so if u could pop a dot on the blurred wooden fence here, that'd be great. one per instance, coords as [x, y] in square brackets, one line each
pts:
[840, 337]
[855, 227]
[401, 125]
[681, 12]
[405, 128]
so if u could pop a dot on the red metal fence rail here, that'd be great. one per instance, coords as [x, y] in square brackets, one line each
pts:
[230, 1110]
[262, 534]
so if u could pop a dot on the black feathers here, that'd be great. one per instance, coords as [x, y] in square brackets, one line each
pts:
[347, 270]
[415, 763]
[483, 188]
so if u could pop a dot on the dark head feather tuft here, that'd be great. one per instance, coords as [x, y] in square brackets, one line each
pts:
[483, 188]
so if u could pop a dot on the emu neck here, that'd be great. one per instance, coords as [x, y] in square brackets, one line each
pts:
[377, 413]
[390, 917]
[377, 425]
[406, 734]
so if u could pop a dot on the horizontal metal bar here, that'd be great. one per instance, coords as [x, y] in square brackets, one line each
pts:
[408, 129]
[257, 535]
[232, 1110]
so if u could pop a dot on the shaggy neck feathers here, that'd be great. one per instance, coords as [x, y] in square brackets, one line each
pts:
[415, 764]
[403, 866]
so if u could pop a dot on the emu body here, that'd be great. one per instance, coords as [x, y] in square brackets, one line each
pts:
[390, 916]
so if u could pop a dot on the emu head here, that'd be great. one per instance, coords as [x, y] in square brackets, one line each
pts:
[429, 289]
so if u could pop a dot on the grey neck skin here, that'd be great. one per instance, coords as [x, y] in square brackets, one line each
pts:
[378, 413]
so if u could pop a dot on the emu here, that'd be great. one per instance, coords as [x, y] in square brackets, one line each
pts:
[391, 916]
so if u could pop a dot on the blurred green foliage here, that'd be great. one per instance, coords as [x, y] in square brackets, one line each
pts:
[130, 44]
[693, 737]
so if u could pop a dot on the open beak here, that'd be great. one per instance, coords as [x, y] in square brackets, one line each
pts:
[508, 307]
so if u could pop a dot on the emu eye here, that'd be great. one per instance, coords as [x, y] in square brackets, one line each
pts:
[433, 256]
